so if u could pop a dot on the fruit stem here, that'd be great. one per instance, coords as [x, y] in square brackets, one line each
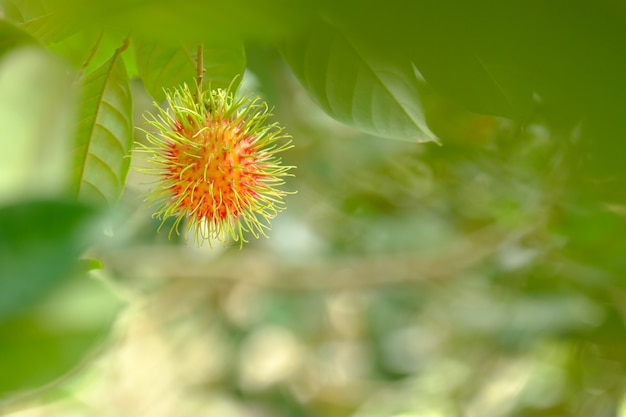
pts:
[200, 70]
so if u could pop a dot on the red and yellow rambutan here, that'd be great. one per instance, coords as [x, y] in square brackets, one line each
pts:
[215, 155]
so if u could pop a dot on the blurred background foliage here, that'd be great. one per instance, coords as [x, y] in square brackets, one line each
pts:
[484, 277]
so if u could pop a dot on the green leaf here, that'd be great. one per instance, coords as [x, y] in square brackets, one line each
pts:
[479, 83]
[88, 49]
[44, 20]
[36, 103]
[12, 37]
[480, 63]
[355, 86]
[55, 336]
[39, 246]
[163, 65]
[164, 20]
[51, 314]
[105, 133]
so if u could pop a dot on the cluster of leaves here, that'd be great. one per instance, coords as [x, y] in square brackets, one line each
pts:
[363, 66]
[402, 72]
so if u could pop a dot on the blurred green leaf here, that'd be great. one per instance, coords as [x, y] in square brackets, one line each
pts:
[39, 246]
[169, 65]
[36, 102]
[11, 37]
[88, 49]
[39, 18]
[186, 20]
[54, 336]
[479, 62]
[476, 61]
[356, 87]
[105, 133]
[482, 86]
[50, 315]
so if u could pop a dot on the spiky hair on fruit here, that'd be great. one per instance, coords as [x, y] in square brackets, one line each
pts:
[216, 158]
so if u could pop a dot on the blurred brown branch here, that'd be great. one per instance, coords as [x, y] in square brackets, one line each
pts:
[267, 269]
